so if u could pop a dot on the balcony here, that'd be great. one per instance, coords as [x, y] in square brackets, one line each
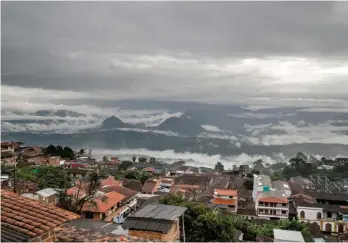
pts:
[273, 207]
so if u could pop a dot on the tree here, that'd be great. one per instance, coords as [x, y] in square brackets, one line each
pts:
[125, 165]
[134, 159]
[52, 177]
[85, 192]
[153, 160]
[256, 172]
[142, 160]
[105, 159]
[201, 222]
[82, 151]
[219, 167]
[140, 175]
[258, 165]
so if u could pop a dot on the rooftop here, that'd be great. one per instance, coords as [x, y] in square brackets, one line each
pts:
[128, 193]
[150, 186]
[104, 203]
[224, 192]
[30, 217]
[274, 195]
[154, 217]
[287, 235]
[46, 192]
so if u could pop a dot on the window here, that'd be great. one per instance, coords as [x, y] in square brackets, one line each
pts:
[284, 204]
[261, 203]
[329, 215]
[319, 215]
[283, 212]
[266, 204]
[302, 214]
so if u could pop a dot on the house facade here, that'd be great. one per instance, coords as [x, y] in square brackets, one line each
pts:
[272, 205]
[330, 218]
[226, 199]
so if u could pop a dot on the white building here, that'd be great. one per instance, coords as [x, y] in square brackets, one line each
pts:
[272, 204]
[287, 236]
[262, 183]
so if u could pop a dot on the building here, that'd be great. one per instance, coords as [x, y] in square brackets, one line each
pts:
[54, 161]
[10, 146]
[34, 155]
[103, 207]
[188, 192]
[150, 186]
[47, 196]
[128, 204]
[287, 236]
[330, 218]
[157, 222]
[226, 199]
[24, 220]
[85, 230]
[262, 183]
[165, 185]
[283, 186]
[9, 158]
[272, 204]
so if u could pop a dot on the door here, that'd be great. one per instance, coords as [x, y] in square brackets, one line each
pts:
[328, 228]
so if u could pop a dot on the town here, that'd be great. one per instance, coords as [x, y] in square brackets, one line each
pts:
[59, 195]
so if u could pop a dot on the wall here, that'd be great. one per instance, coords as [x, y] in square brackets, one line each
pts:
[46, 237]
[54, 161]
[48, 200]
[310, 213]
[171, 236]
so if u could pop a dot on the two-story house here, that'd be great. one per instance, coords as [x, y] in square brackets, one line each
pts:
[330, 218]
[226, 199]
[272, 204]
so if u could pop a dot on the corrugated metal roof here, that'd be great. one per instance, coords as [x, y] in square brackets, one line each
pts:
[156, 225]
[160, 211]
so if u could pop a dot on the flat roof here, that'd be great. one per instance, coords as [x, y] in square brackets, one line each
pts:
[159, 211]
[287, 235]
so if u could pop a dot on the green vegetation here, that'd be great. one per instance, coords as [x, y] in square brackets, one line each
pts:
[142, 160]
[105, 159]
[134, 159]
[65, 152]
[204, 224]
[44, 176]
[219, 167]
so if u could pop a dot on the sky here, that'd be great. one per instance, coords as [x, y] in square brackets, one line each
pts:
[214, 52]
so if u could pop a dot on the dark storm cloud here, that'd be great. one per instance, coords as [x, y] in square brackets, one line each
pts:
[137, 49]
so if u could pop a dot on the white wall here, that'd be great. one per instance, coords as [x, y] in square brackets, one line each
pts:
[310, 213]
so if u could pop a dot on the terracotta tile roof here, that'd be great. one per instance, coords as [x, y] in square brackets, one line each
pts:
[221, 201]
[104, 203]
[110, 182]
[128, 193]
[74, 234]
[135, 185]
[150, 186]
[74, 190]
[223, 192]
[185, 186]
[30, 217]
[273, 200]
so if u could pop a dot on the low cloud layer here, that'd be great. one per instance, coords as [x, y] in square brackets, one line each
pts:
[194, 159]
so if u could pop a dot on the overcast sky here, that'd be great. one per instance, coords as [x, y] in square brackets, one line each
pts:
[201, 51]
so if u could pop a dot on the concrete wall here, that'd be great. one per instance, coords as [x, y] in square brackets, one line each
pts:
[310, 213]
[171, 236]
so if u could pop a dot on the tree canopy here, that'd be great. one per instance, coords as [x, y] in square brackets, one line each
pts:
[65, 152]
[219, 167]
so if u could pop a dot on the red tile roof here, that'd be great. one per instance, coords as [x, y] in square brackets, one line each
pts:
[104, 203]
[221, 201]
[30, 217]
[273, 200]
[222, 192]
[185, 186]
[110, 182]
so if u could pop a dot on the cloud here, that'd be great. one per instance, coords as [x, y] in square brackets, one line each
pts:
[138, 50]
[167, 133]
[324, 133]
[211, 128]
[194, 159]
[68, 127]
